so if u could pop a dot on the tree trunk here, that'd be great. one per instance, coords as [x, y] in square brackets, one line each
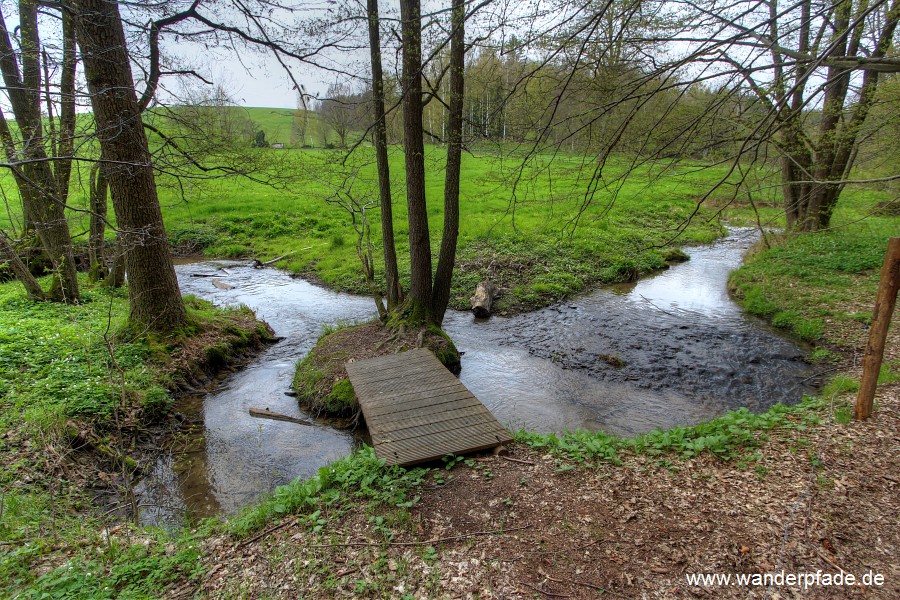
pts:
[39, 193]
[417, 212]
[116, 276]
[32, 287]
[12, 156]
[837, 83]
[795, 170]
[153, 291]
[98, 193]
[394, 293]
[797, 159]
[66, 146]
[812, 177]
[444, 274]
[843, 141]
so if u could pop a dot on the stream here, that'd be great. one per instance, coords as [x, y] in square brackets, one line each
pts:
[671, 349]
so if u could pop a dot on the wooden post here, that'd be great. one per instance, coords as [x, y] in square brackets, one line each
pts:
[884, 308]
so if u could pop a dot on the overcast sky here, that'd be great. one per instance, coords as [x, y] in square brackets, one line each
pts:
[251, 78]
[252, 75]
[258, 81]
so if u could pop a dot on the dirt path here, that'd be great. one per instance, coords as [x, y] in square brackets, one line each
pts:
[817, 499]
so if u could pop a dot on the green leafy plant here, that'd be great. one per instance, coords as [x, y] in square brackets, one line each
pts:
[360, 476]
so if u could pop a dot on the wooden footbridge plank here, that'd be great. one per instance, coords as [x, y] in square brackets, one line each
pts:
[417, 411]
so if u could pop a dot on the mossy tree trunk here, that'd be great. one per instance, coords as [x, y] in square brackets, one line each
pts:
[99, 206]
[444, 274]
[394, 293]
[419, 300]
[815, 165]
[39, 187]
[429, 294]
[155, 299]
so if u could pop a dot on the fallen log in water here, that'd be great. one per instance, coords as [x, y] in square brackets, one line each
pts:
[258, 264]
[485, 293]
[265, 413]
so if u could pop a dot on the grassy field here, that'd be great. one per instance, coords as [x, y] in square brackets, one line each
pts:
[518, 221]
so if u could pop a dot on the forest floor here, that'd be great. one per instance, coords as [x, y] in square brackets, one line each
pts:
[812, 498]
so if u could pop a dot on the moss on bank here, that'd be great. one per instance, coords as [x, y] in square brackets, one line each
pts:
[321, 379]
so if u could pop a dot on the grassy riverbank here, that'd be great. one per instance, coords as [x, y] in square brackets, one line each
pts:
[816, 285]
[527, 244]
[84, 402]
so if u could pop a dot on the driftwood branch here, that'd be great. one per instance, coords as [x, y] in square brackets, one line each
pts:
[256, 264]
[265, 413]
[424, 542]
[517, 460]
[262, 534]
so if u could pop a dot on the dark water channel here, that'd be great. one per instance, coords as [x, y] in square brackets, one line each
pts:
[683, 353]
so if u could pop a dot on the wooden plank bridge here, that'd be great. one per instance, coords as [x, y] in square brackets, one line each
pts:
[417, 411]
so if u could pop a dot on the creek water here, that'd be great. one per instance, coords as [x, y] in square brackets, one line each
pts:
[671, 349]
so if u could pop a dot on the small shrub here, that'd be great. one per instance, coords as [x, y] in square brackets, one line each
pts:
[840, 384]
[822, 355]
[155, 402]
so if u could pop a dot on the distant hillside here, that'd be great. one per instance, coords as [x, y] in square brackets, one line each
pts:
[276, 122]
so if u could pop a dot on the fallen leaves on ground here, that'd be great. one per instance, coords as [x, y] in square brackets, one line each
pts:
[823, 498]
